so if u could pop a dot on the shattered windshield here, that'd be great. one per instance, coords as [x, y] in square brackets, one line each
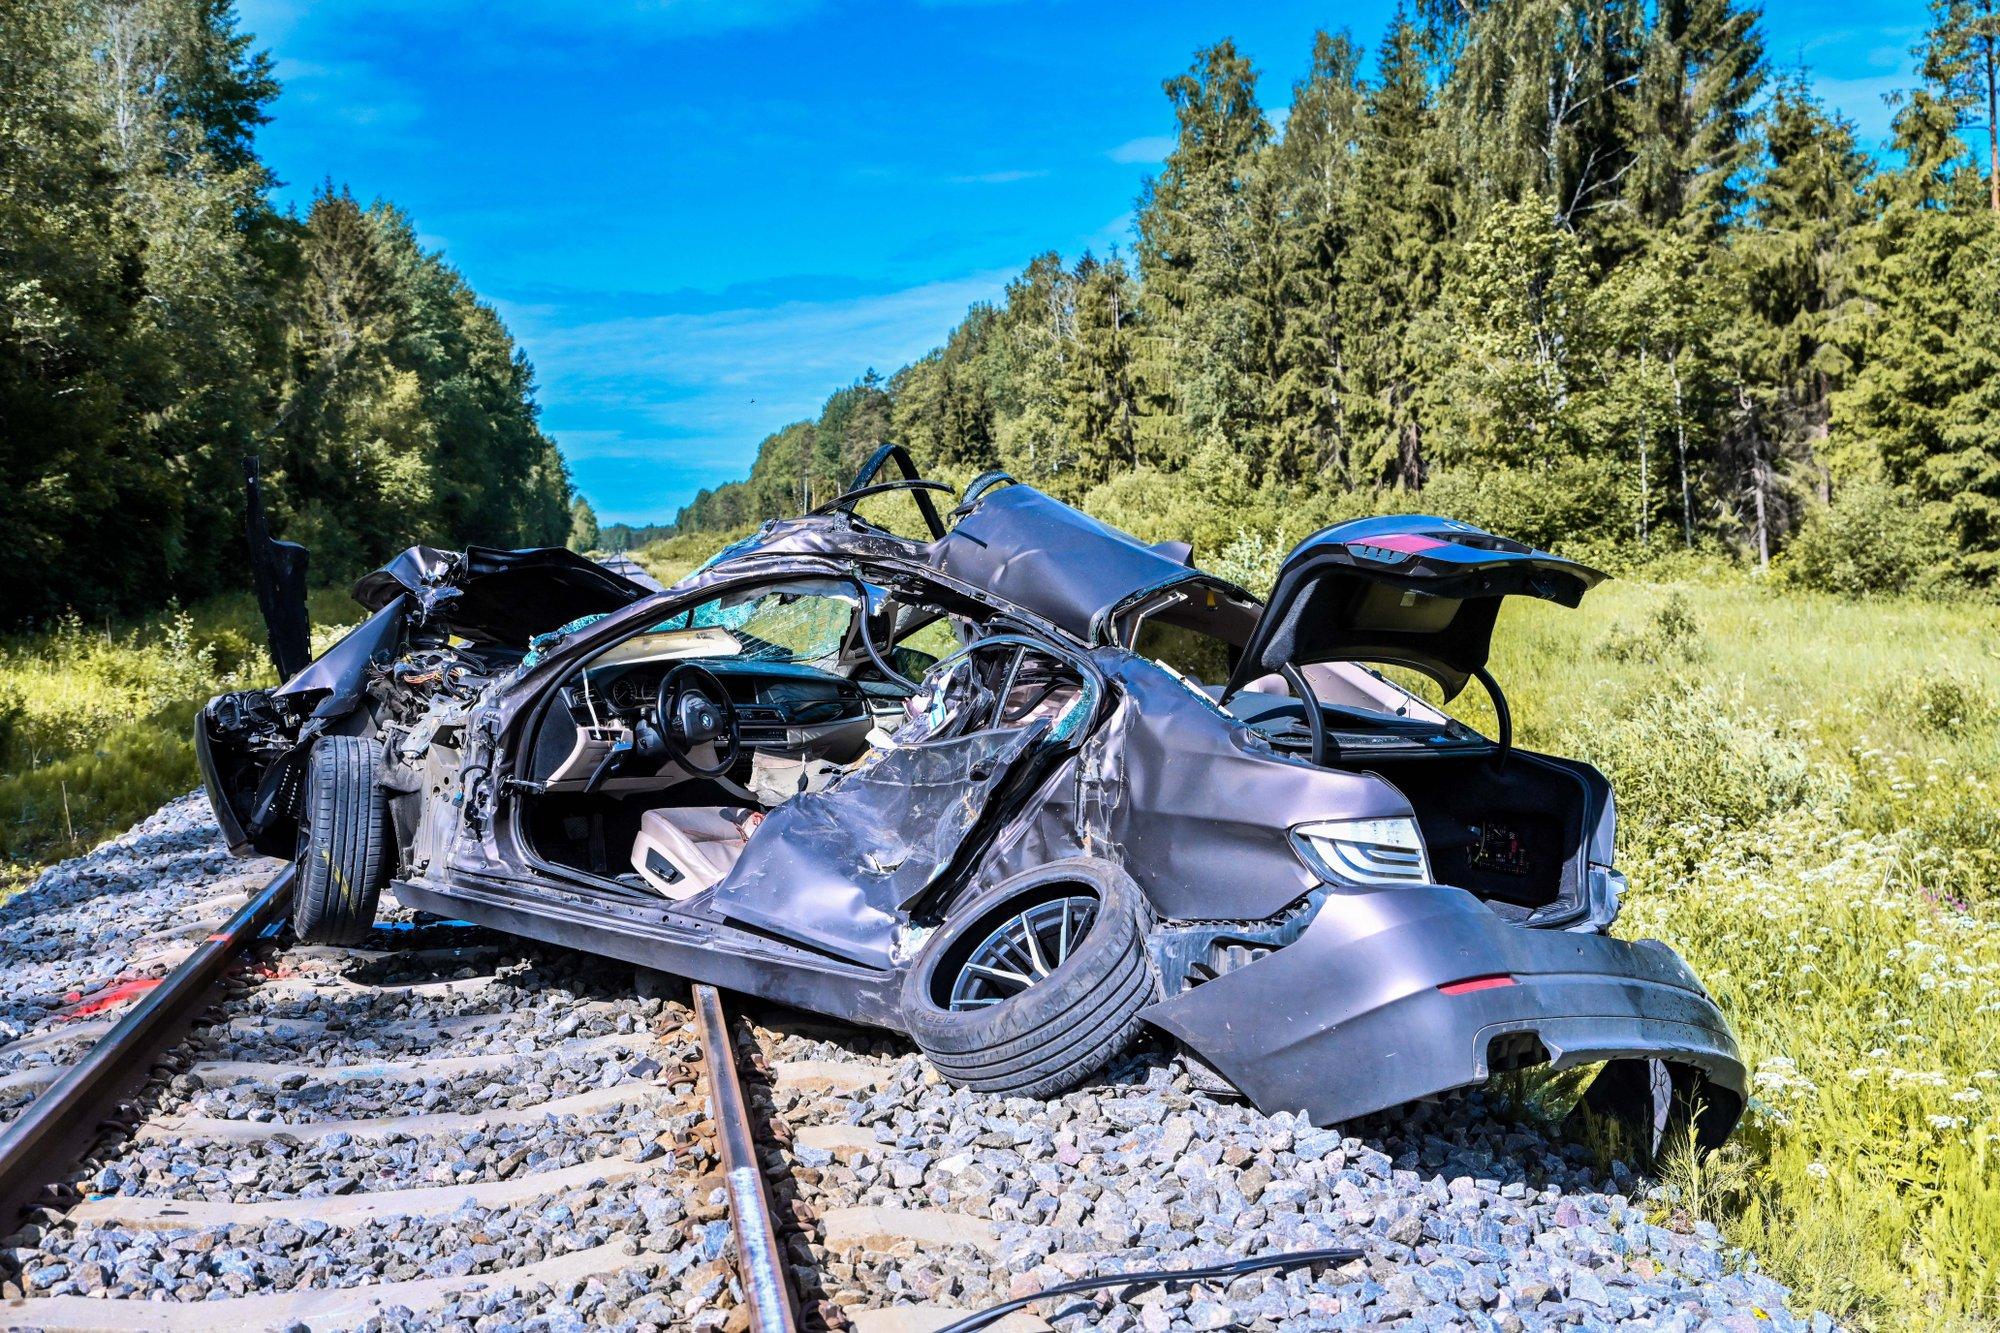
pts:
[799, 622]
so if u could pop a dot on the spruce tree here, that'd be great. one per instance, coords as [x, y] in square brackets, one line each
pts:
[1700, 72]
[1193, 241]
[1797, 265]
[1100, 408]
[1315, 166]
[1395, 226]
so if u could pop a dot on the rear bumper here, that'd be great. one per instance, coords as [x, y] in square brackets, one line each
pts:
[1351, 1017]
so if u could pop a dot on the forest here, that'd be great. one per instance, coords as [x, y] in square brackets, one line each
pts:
[1595, 274]
[161, 319]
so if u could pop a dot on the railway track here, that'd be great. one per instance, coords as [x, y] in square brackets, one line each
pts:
[446, 1126]
[434, 1127]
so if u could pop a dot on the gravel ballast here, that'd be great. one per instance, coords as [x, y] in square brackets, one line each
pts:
[1468, 1218]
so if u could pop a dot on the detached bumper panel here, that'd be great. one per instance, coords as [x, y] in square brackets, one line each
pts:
[226, 819]
[1394, 995]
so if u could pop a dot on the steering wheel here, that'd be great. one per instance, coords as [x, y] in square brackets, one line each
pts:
[694, 710]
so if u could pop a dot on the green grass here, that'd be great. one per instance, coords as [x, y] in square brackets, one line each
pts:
[96, 720]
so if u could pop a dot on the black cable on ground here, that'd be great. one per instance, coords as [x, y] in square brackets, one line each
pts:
[1146, 1277]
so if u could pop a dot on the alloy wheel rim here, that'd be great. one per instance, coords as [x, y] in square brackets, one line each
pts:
[1023, 949]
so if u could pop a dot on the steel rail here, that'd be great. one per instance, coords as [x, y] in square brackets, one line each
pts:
[760, 1263]
[54, 1130]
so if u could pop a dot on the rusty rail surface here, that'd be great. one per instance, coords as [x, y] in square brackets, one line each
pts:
[45, 1141]
[760, 1261]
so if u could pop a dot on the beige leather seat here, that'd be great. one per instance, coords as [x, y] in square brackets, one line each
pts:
[1345, 684]
[682, 850]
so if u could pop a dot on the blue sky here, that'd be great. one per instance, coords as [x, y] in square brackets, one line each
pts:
[699, 217]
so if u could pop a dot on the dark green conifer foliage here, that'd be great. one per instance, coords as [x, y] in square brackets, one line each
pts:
[1397, 216]
[1100, 407]
[1700, 71]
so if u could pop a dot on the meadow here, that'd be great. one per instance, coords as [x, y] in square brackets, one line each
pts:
[96, 721]
[1808, 811]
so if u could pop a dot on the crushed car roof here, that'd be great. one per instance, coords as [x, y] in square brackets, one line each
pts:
[1024, 547]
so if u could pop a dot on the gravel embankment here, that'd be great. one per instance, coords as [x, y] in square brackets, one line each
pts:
[328, 1075]
[1468, 1220]
[127, 910]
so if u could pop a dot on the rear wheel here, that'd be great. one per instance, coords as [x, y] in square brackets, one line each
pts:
[345, 853]
[1036, 986]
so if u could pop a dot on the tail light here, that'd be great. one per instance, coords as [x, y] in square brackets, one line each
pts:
[1364, 851]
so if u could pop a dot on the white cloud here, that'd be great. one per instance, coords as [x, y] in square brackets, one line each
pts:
[996, 177]
[1148, 148]
[712, 385]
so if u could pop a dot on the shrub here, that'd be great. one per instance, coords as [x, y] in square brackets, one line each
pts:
[1942, 701]
[1873, 538]
[1576, 506]
[1690, 765]
[1670, 634]
[1250, 561]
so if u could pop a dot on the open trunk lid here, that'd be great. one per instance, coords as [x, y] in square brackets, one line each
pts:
[488, 595]
[1411, 590]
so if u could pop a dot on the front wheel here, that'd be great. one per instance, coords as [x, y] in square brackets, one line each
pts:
[1036, 985]
[346, 853]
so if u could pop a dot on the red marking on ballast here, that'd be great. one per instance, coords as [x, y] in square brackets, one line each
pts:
[112, 998]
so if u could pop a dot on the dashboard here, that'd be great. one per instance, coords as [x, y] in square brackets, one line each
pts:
[779, 705]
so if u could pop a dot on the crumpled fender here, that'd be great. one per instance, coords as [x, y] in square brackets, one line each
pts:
[340, 675]
[1396, 994]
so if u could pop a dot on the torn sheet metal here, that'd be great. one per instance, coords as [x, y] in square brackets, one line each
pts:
[487, 595]
[835, 869]
[335, 683]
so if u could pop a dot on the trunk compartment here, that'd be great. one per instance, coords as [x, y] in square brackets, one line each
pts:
[1516, 836]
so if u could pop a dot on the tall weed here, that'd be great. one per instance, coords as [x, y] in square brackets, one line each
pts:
[1807, 813]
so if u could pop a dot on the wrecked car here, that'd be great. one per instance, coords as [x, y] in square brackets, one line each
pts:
[1022, 787]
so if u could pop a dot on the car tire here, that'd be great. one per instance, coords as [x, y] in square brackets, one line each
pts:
[345, 849]
[1062, 1027]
